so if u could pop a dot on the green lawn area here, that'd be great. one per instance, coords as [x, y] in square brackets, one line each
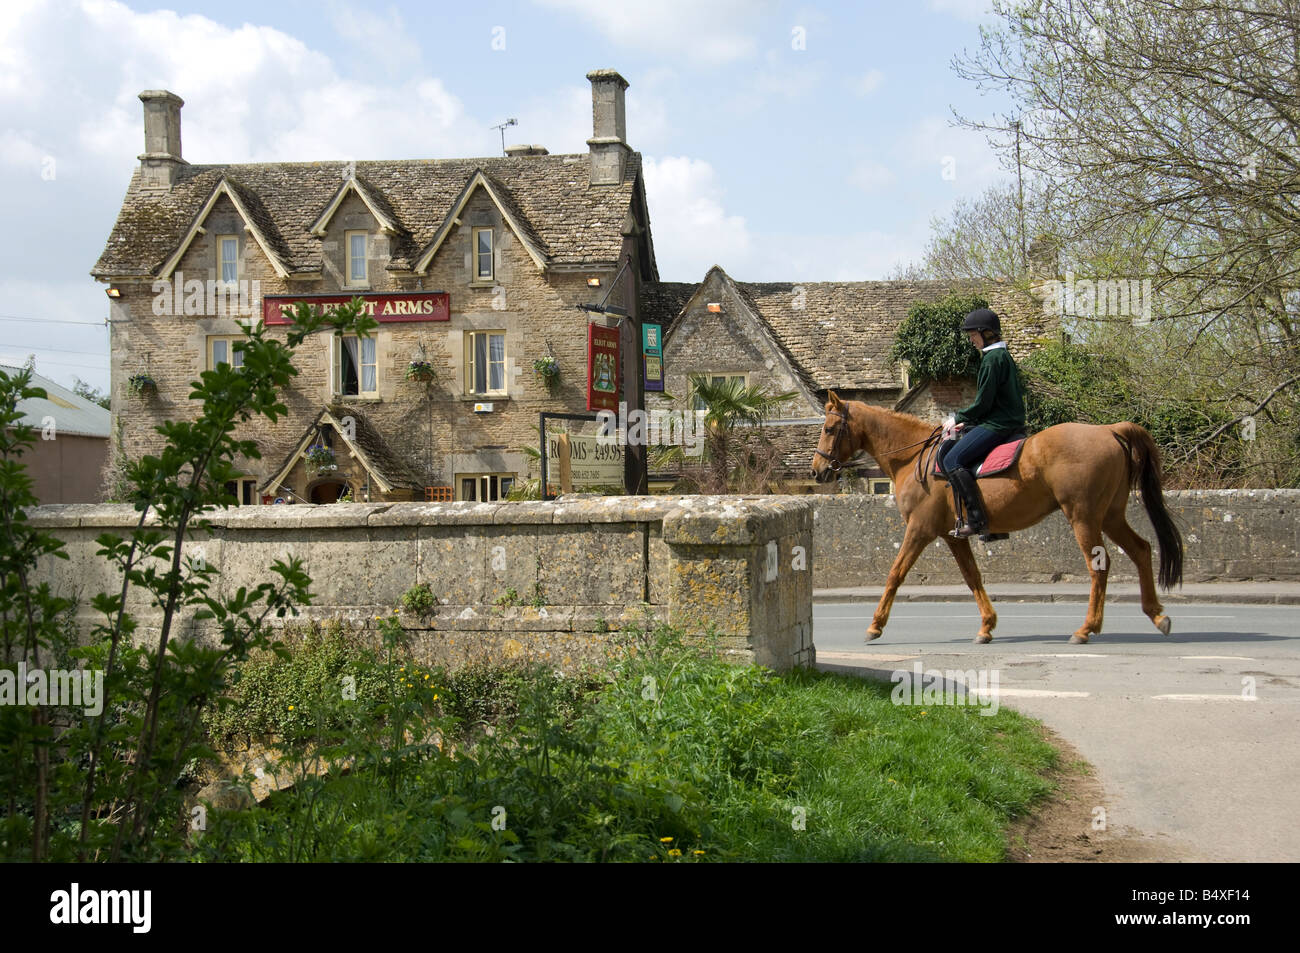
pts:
[661, 756]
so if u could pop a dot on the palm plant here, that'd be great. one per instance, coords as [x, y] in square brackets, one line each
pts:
[727, 403]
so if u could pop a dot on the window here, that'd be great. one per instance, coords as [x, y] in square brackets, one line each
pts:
[484, 487]
[716, 379]
[357, 266]
[439, 494]
[881, 487]
[225, 350]
[243, 490]
[485, 362]
[228, 258]
[483, 254]
[356, 368]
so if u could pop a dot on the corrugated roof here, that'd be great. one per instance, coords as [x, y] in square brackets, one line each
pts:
[71, 414]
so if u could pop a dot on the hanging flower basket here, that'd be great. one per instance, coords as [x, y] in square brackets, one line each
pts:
[141, 385]
[321, 458]
[420, 371]
[548, 369]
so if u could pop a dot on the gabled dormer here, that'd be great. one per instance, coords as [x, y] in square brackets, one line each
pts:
[256, 223]
[483, 240]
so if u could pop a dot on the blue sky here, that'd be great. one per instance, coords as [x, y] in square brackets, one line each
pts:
[783, 141]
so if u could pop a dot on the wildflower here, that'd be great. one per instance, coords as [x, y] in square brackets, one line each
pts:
[674, 853]
[291, 708]
[665, 840]
[698, 853]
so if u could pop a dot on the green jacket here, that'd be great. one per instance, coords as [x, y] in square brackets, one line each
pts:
[999, 402]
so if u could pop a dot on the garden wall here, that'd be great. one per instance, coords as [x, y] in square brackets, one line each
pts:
[541, 580]
[1228, 535]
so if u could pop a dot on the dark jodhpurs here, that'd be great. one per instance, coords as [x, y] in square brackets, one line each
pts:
[971, 448]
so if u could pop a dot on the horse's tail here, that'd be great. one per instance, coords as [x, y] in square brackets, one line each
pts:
[1144, 473]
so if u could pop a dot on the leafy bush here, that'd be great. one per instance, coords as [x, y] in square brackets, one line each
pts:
[931, 341]
[419, 599]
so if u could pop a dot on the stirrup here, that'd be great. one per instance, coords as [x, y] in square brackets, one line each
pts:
[964, 530]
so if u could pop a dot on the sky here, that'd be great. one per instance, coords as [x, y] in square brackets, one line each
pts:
[782, 141]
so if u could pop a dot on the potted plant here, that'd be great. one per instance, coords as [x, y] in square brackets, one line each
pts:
[141, 384]
[421, 371]
[548, 369]
[320, 458]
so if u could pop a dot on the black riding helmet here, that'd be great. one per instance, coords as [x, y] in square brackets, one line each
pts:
[982, 319]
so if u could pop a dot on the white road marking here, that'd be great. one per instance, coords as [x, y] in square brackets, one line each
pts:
[868, 656]
[1203, 698]
[1037, 693]
[1236, 658]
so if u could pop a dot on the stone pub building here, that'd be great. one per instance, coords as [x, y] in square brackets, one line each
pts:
[475, 269]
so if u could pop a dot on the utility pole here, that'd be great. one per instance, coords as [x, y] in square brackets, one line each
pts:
[1020, 202]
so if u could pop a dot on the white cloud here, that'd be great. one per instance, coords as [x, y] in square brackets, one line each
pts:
[692, 231]
[868, 82]
[932, 141]
[715, 33]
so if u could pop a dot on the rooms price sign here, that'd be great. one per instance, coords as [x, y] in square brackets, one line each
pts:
[602, 368]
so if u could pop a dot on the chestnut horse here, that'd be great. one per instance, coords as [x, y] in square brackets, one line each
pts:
[1084, 470]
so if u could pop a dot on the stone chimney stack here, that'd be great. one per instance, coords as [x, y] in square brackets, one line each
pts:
[608, 143]
[162, 138]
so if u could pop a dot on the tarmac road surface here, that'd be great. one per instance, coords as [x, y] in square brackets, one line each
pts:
[1195, 738]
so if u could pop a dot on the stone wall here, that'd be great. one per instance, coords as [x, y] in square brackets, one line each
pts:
[1227, 535]
[545, 581]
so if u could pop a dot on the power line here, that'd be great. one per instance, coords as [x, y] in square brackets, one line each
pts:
[61, 350]
[14, 317]
[91, 367]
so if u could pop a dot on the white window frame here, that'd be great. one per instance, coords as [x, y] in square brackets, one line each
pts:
[242, 484]
[713, 378]
[229, 341]
[484, 484]
[475, 256]
[349, 279]
[471, 358]
[338, 344]
[221, 259]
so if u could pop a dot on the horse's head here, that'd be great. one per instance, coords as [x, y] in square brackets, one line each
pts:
[834, 448]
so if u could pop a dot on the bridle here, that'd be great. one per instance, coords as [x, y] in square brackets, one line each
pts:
[842, 427]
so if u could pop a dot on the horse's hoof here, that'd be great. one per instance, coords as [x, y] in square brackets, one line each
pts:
[1077, 639]
[1163, 623]
[873, 633]
[984, 638]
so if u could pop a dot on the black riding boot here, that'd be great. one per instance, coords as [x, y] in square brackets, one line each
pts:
[975, 522]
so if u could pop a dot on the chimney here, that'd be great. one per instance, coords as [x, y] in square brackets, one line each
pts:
[162, 138]
[608, 143]
[526, 150]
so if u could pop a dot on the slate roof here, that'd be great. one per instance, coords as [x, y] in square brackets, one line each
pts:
[571, 221]
[662, 301]
[72, 414]
[837, 334]
[379, 457]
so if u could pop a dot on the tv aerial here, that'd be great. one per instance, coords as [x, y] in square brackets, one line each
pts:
[502, 126]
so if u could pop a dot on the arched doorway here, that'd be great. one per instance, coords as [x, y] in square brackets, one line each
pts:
[327, 491]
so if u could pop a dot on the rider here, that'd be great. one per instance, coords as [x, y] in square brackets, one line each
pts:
[996, 417]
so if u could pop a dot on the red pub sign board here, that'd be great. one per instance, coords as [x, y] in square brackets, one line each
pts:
[602, 368]
[385, 308]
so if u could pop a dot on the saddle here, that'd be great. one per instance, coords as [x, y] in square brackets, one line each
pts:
[1000, 459]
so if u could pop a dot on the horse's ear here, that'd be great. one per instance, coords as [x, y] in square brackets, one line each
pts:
[835, 399]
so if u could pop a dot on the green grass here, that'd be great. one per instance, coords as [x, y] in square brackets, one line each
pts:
[676, 753]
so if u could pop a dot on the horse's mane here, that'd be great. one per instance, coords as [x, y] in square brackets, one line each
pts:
[907, 420]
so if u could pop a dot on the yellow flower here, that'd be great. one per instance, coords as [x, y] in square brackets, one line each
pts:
[698, 853]
[426, 678]
[291, 708]
[665, 840]
[674, 853]
[435, 697]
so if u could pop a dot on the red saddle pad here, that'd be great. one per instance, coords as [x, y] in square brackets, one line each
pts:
[1002, 457]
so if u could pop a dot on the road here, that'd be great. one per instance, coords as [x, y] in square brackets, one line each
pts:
[1186, 756]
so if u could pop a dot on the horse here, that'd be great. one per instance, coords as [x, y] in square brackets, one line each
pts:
[1085, 470]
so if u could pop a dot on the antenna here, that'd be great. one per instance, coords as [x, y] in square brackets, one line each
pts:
[502, 127]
